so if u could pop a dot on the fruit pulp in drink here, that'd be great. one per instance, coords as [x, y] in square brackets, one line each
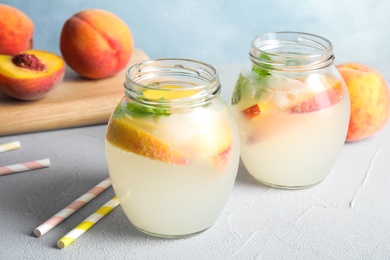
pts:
[292, 130]
[173, 174]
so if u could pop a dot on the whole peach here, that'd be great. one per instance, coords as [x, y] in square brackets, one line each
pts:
[370, 100]
[96, 43]
[16, 31]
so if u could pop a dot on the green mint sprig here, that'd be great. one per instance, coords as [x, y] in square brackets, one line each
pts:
[138, 110]
[262, 71]
[244, 84]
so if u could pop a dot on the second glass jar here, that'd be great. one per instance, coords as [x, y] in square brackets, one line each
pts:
[293, 109]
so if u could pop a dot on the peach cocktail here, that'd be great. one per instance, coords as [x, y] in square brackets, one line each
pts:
[292, 108]
[172, 148]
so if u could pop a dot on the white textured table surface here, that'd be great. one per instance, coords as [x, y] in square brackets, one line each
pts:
[347, 216]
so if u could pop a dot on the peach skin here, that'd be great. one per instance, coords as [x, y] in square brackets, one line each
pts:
[96, 43]
[16, 31]
[370, 100]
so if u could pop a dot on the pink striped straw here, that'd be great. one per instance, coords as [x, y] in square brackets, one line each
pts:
[72, 207]
[22, 167]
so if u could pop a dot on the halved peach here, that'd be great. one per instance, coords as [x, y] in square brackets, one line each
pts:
[31, 74]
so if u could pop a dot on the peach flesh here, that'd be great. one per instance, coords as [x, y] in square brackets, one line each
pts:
[28, 84]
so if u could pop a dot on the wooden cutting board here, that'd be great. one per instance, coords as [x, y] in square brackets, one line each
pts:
[77, 101]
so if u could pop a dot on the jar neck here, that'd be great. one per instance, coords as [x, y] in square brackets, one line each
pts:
[194, 83]
[291, 51]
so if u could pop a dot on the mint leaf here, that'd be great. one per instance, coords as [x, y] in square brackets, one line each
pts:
[264, 70]
[244, 85]
[260, 71]
[241, 84]
[138, 110]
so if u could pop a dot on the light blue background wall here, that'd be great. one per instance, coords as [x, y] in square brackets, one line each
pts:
[220, 31]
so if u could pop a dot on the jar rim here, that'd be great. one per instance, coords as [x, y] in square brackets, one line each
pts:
[291, 50]
[154, 74]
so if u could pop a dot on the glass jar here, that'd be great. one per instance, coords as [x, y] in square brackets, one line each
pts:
[292, 107]
[172, 147]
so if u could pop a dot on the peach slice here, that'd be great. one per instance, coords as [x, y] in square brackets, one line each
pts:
[169, 92]
[294, 96]
[213, 143]
[220, 160]
[127, 137]
[252, 111]
[321, 100]
[30, 75]
[305, 103]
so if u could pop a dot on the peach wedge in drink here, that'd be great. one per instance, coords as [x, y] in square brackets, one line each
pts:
[129, 138]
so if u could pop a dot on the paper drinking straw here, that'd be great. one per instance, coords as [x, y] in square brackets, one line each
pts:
[87, 223]
[22, 167]
[9, 146]
[72, 207]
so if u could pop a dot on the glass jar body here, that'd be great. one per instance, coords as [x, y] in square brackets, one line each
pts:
[292, 108]
[173, 166]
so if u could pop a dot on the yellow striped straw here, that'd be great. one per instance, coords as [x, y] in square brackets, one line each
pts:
[87, 223]
[9, 146]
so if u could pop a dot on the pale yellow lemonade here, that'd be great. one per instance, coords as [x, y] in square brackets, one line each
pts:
[173, 173]
[292, 129]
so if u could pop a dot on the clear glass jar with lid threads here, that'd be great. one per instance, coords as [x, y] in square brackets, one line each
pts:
[292, 108]
[172, 147]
